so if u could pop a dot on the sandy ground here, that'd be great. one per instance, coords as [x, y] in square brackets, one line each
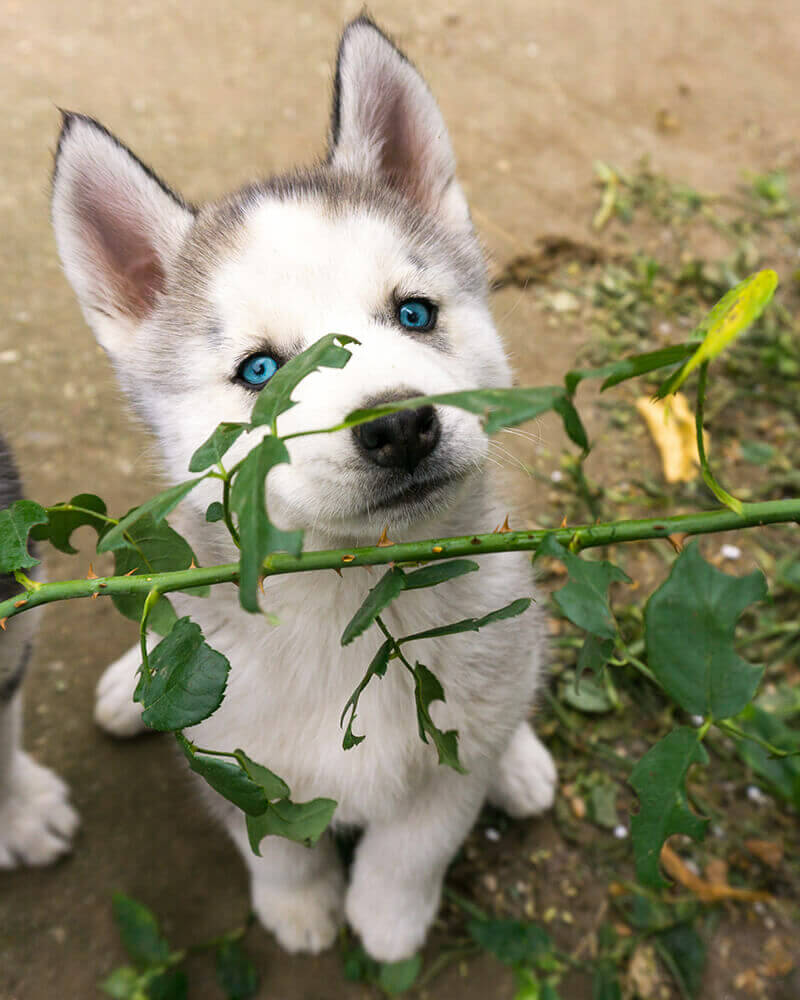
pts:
[212, 95]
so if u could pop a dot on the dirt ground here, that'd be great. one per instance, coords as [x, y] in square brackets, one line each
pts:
[211, 96]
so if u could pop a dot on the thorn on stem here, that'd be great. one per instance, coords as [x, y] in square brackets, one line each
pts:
[130, 572]
[384, 541]
[91, 575]
[22, 603]
[437, 548]
[677, 540]
[563, 522]
[3, 623]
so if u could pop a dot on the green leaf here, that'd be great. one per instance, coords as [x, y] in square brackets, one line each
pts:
[215, 512]
[605, 985]
[594, 655]
[377, 668]
[584, 598]
[730, 317]
[571, 420]
[304, 822]
[156, 509]
[157, 548]
[690, 623]
[601, 802]
[275, 397]
[514, 942]
[258, 535]
[782, 774]
[473, 624]
[212, 450]
[236, 974]
[138, 929]
[589, 696]
[659, 780]
[61, 523]
[16, 522]
[427, 689]
[274, 787]
[687, 952]
[757, 452]
[497, 408]
[440, 572]
[122, 984]
[187, 680]
[382, 594]
[641, 364]
[394, 582]
[230, 780]
[169, 985]
[397, 977]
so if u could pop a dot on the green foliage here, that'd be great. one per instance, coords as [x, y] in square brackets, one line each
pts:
[377, 668]
[427, 690]
[212, 450]
[155, 509]
[659, 780]
[690, 623]
[303, 822]
[236, 974]
[64, 518]
[139, 931]
[185, 682]
[782, 774]
[16, 522]
[514, 942]
[258, 534]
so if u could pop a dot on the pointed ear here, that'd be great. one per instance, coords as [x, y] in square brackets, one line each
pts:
[118, 229]
[386, 122]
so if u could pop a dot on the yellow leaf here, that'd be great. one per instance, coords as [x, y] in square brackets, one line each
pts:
[671, 425]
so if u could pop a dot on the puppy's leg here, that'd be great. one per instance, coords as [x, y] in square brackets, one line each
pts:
[296, 892]
[36, 819]
[524, 780]
[115, 711]
[396, 880]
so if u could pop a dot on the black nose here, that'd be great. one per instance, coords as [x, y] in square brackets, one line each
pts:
[400, 440]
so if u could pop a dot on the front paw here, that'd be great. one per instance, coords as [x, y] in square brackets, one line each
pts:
[37, 822]
[115, 711]
[526, 778]
[303, 918]
[391, 920]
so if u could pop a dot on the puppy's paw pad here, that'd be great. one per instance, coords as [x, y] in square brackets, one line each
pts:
[305, 919]
[526, 780]
[115, 711]
[37, 822]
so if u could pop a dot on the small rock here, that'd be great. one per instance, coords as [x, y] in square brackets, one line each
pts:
[730, 552]
[621, 831]
[491, 834]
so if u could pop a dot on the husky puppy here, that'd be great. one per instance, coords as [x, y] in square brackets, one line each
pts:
[197, 307]
[36, 820]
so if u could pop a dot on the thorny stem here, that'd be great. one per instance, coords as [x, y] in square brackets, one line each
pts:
[582, 537]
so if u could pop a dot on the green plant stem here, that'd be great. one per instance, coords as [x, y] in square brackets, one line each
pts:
[582, 537]
[708, 476]
[733, 730]
[226, 510]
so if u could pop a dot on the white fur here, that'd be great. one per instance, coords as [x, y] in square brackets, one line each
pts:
[290, 269]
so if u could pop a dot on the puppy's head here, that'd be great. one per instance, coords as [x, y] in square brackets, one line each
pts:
[198, 307]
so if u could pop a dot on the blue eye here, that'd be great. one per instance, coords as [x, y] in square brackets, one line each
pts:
[257, 370]
[417, 314]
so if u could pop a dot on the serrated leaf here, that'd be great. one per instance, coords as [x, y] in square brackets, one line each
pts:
[473, 624]
[303, 822]
[430, 576]
[16, 522]
[514, 942]
[215, 512]
[273, 786]
[139, 931]
[158, 549]
[584, 598]
[236, 974]
[594, 655]
[172, 984]
[497, 408]
[659, 780]
[186, 682]
[393, 583]
[730, 317]
[275, 397]
[690, 623]
[156, 509]
[257, 534]
[122, 984]
[212, 450]
[61, 523]
[397, 977]
[782, 774]
[230, 780]
[377, 668]
[427, 690]
[687, 951]
[379, 597]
